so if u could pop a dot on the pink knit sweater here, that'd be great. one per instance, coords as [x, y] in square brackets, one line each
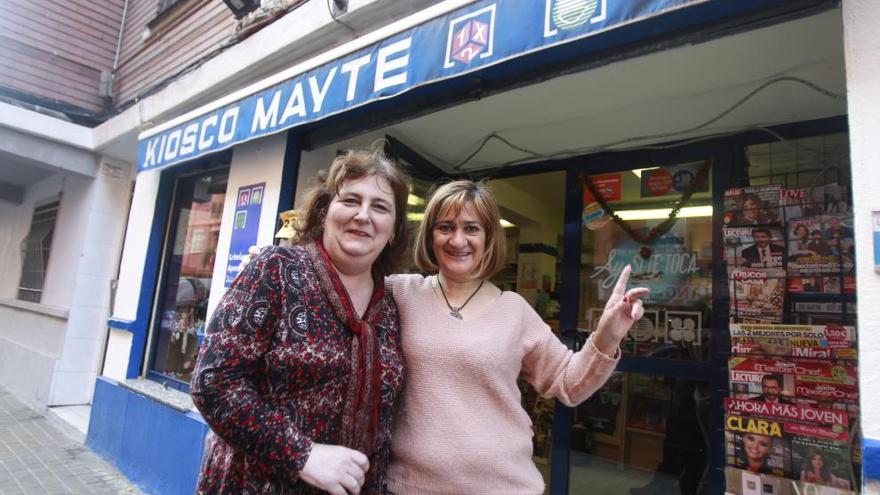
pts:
[461, 428]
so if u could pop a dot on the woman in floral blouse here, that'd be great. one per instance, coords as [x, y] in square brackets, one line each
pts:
[302, 367]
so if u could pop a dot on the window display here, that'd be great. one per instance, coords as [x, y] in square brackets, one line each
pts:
[189, 267]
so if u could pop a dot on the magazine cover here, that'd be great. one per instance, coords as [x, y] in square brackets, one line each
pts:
[820, 244]
[821, 457]
[754, 247]
[756, 294]
[795, 381]
[795, 203]
[830, 341]
[756, 445]
[824, 284]
[752, 205]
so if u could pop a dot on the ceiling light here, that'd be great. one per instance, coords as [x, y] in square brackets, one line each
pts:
[638, 171]
[414, 200]
[663, 213]
[505, 224]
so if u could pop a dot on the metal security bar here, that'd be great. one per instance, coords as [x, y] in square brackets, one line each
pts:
[35, 252]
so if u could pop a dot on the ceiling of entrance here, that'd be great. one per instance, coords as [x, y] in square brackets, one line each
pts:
[661, 93]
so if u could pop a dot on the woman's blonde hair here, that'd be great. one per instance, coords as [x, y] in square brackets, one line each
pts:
[452, 198]
[354, 164]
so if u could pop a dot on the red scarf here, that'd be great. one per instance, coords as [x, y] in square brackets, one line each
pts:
[360, 414]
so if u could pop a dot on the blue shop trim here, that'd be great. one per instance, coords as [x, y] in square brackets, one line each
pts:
[871, 458]
[476, 36]
[156, 446]
[120, 324]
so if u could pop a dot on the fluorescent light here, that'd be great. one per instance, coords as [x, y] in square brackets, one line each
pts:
[663, 213]
[419, 216]
[414, 200]
[638, 171]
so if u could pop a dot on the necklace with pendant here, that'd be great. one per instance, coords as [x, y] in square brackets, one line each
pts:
[456, 311]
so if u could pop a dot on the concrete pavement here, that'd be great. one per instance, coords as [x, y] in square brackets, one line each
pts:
[39, 454]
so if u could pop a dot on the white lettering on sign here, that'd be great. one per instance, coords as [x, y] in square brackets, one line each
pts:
[296, 104]
[319, 94]
[353, 67]
[227, 125]
[189, 138]
[172, 146]
[385, 64]
[279, 107]
[667, 263]
[264, 117]
[205, 140]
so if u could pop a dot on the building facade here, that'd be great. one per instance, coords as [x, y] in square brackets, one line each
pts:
[711, 130]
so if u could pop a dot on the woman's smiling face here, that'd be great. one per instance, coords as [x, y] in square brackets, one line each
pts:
[459, 242]
[360, 219]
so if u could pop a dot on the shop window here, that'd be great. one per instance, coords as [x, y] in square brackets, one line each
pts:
[35, 252]
[672, 255]
[189, 266]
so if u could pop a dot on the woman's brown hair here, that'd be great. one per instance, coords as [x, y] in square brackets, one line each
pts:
[452, 198]
[354, 164]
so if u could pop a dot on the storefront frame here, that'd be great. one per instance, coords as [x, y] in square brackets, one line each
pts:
[729, 165]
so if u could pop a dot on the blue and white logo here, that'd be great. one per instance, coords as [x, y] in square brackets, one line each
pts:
[571, 14]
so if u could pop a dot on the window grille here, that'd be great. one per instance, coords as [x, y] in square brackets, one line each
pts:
[35, 252]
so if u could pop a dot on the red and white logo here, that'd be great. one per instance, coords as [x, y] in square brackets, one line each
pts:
[470, 36]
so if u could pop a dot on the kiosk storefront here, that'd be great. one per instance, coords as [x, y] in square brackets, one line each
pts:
[673, 135]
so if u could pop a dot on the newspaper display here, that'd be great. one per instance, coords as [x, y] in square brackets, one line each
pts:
[794, 396]
[756, 294]
[830, 341]
[752, 205]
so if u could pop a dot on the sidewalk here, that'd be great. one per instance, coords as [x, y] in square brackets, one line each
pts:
[41, 455]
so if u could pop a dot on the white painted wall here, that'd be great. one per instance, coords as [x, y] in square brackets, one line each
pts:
[103, 214]
[257, 161]
[862, 54]
[131, 270]
[46, 358]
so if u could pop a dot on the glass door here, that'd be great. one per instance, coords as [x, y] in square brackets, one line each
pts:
[185, 286]
[647, 430]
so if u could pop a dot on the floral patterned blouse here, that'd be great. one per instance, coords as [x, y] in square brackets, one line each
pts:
[276, 372]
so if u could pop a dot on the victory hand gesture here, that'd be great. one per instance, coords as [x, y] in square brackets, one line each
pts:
[621, 311]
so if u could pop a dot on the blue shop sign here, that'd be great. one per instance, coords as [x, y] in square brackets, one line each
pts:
[473, 37]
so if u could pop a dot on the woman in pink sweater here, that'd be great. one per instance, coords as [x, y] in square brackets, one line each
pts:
[461, 428]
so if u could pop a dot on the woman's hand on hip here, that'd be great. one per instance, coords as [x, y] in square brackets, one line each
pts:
[335, 469]
[621, 311]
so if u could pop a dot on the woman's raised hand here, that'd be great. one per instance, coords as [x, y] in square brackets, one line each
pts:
[621, 311]
[335, 469]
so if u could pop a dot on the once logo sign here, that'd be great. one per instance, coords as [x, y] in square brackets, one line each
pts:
[470, 36]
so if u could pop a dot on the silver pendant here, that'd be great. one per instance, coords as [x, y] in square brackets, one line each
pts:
[455, 313]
